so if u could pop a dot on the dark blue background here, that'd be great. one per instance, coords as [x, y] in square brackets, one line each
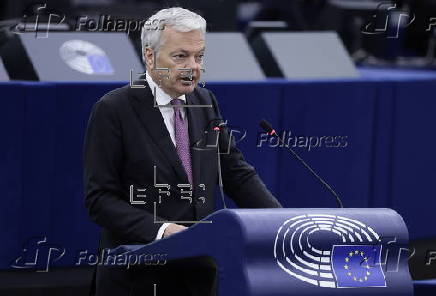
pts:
[389, 160]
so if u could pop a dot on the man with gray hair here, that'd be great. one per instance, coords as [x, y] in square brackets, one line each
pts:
[157, 141]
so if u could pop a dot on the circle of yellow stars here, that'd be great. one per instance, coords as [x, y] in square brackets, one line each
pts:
[347, 267]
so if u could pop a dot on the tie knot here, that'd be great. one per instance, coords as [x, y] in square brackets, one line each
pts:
[176, 102]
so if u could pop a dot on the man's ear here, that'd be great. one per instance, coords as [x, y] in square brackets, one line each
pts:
[149, 58]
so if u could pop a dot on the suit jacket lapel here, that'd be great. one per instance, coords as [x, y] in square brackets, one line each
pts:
[151, 118]
[203, 157]
[194, 120]
[196, 137]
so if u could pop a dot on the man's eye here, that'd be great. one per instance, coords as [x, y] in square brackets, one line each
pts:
[179, 56]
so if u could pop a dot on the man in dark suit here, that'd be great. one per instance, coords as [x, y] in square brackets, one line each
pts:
[152, 141]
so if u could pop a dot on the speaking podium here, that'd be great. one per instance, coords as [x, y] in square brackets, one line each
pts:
[296, 251]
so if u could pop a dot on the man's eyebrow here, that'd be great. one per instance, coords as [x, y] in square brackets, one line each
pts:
[186, 51]
[179, 50]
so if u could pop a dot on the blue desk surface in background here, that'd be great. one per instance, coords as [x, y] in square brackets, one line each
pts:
[383, 122]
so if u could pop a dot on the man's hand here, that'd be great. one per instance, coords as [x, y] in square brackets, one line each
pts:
[173, 228]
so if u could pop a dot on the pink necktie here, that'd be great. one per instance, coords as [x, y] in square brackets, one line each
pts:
[182, 138]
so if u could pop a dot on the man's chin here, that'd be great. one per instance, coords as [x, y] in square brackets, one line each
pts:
[186, 88]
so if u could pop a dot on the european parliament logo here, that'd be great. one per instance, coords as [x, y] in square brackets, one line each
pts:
[330, 251]
[85, 57]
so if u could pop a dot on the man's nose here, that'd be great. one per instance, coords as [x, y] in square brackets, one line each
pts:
[192, 64]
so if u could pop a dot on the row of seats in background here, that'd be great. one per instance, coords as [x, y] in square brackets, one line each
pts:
[349, 18]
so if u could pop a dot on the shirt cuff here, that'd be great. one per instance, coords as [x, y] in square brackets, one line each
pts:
[162, 230]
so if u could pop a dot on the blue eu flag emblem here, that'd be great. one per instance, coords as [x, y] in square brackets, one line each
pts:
[357, 266]
[100, 64]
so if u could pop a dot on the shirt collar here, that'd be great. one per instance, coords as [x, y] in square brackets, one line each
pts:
[162, 98]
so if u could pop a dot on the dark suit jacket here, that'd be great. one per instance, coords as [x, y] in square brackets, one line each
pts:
[126, 137]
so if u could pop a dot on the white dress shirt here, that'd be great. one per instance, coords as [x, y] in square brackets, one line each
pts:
[163, 99]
